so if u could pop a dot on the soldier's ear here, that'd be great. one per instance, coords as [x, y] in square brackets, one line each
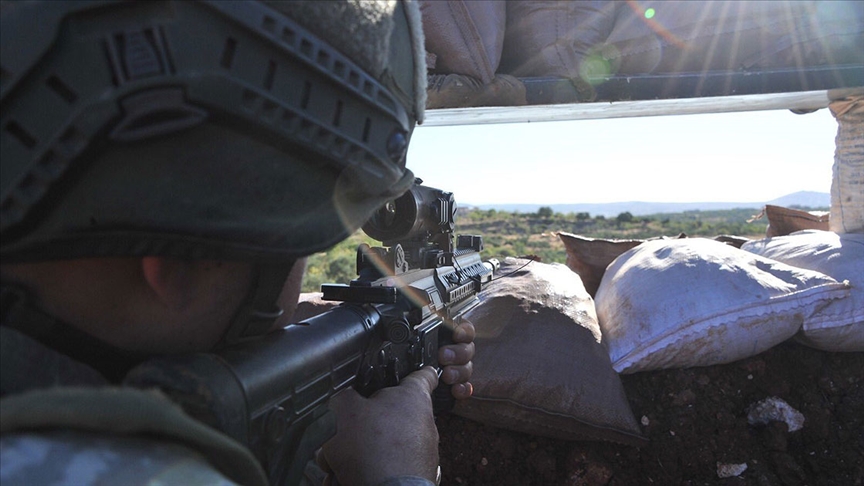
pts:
[170, 280]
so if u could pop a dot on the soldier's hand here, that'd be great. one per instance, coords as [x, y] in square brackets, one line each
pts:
[390, 434]
[456, 359]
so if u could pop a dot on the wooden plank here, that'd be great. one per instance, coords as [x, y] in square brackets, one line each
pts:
[807, 100]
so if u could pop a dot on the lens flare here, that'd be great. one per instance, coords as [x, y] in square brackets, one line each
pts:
[648, 14]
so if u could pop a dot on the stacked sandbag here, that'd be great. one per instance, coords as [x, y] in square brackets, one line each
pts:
[463, 44]
[540, 367]
[847, 186]
[464, 37]
[698, 36]
[589, 257]
[594, 38]
[698, 302]
[839, 324]
[483, 47]
[553, 38]
[783, 221]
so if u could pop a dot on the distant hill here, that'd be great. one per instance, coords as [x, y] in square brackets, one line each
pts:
[806, 199]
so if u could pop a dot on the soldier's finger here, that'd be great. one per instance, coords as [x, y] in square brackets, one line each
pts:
[457, 374]
[464, 332]
[462, 391]
[456, 354]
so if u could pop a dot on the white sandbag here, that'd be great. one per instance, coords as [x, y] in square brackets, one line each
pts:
[839, 325]
[699, 302]
[540, 367]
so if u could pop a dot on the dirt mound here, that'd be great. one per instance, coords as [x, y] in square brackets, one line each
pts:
[696, 423]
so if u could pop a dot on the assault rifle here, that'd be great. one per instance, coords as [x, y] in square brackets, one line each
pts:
[271, 393]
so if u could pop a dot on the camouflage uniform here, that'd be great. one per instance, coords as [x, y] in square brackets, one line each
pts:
[64, 424]
[122, 120]
[67, 457]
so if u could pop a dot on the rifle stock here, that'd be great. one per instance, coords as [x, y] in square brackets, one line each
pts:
[271, 393]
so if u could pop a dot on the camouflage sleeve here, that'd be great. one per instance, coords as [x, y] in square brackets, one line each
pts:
[69, 457]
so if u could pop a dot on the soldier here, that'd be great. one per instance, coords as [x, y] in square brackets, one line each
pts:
[166, 167]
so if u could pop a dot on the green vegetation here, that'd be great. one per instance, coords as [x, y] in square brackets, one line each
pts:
[516, 234]
[337, 265]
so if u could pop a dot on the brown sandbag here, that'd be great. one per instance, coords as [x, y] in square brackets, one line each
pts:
[310, 304]
[589, 257]
[697, 36]
[540, 367]
[465, 37]
[732, 240]
[783, 221]
[552, 38]
[460, 91]
[575, 39]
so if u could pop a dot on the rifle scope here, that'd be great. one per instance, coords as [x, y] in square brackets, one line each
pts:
[419, 214]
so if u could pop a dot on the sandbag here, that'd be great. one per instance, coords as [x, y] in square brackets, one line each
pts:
[697, 36]
[540, 367]
[839, 325]
[783, 221]
[461, 91]
[847, 186]
[554, 38]
[732, 240]
[589, 257]
[465, 37]
[310, 304]
[698, 302]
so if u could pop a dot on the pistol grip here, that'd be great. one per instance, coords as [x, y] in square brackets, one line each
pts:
[442, 399]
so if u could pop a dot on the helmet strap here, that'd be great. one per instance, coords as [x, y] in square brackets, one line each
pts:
[259, 311]
[19, 311]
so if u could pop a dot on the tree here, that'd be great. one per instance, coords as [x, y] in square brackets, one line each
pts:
[545, 212]
[625, 217]
[582, 216]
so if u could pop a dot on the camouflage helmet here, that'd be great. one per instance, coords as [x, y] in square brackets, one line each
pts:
[260, 131]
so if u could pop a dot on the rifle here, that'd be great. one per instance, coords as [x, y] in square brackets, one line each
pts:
[271, 393]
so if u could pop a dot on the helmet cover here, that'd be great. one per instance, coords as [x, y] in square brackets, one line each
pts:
[204, 129]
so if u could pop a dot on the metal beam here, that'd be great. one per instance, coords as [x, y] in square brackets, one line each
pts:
[807, 100]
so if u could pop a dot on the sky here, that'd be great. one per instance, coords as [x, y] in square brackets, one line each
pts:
[726, 157]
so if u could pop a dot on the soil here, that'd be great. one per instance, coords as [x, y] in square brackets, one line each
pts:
[696, 424]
